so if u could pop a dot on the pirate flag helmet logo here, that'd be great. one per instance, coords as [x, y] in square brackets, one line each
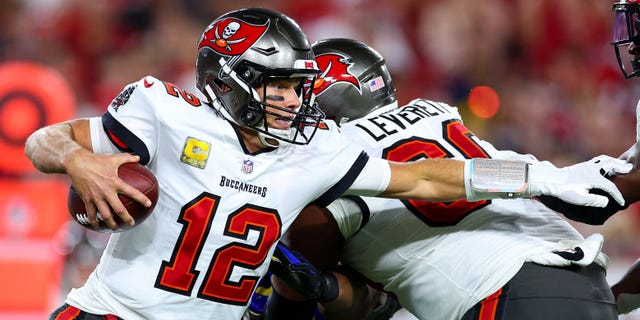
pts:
[231, 36]
[335, 69]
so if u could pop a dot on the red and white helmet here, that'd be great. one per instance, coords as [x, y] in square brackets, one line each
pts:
[240, 52]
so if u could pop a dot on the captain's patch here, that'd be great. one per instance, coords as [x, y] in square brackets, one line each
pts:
[195, 152]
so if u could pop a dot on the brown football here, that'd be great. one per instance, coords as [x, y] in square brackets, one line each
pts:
[139, 177]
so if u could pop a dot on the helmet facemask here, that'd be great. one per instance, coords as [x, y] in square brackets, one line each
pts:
[626, 37]
[249, 80]
[304, 120]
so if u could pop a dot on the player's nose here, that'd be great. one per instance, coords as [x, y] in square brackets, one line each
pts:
[292, 101]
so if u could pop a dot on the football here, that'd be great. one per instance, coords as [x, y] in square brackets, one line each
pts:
[136, 175]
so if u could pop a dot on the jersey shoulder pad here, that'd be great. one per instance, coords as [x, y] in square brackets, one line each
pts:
[156, 89]
[150, 82]
[327, 127]
[441, 106]
[330, 139]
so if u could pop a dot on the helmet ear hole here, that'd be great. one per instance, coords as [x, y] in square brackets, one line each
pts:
[251, 114]
[224, 88]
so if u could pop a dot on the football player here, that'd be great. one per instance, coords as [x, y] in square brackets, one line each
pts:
[626, 44]
[489, 259]
[235, 166]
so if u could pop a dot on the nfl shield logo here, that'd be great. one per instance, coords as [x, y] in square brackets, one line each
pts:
[247, 166]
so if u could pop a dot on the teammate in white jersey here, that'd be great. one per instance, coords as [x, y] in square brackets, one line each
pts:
[492, 259]
[235, 168]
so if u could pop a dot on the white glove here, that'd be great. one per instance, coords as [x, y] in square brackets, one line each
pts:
[572, 252]
[633, 154]
[572, 184]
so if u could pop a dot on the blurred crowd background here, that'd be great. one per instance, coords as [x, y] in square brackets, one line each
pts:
[547, 79]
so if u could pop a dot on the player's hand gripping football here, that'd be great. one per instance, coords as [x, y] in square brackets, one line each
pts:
[95, 179]
[573, 183]
[633, 154]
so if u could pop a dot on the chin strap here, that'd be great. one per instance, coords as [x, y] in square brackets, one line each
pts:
[268, 140]
[274, 142]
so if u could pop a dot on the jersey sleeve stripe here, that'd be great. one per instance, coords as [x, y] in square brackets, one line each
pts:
[341, 186]
[124, 139]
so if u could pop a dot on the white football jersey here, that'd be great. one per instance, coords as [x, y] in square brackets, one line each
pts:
[443, 258]
[220, 209]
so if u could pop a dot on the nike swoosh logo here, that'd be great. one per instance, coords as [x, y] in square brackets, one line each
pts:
[575, 254]
[147, 84]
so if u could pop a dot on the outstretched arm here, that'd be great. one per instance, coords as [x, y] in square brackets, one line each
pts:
[430, 179]
[633, 154]
[629, 183]
[479, 179]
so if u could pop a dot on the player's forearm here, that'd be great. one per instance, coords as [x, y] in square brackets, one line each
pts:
[443, 179]
[50, 147]
[429, 179]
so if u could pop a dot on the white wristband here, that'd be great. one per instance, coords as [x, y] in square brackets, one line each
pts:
[494, 179]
